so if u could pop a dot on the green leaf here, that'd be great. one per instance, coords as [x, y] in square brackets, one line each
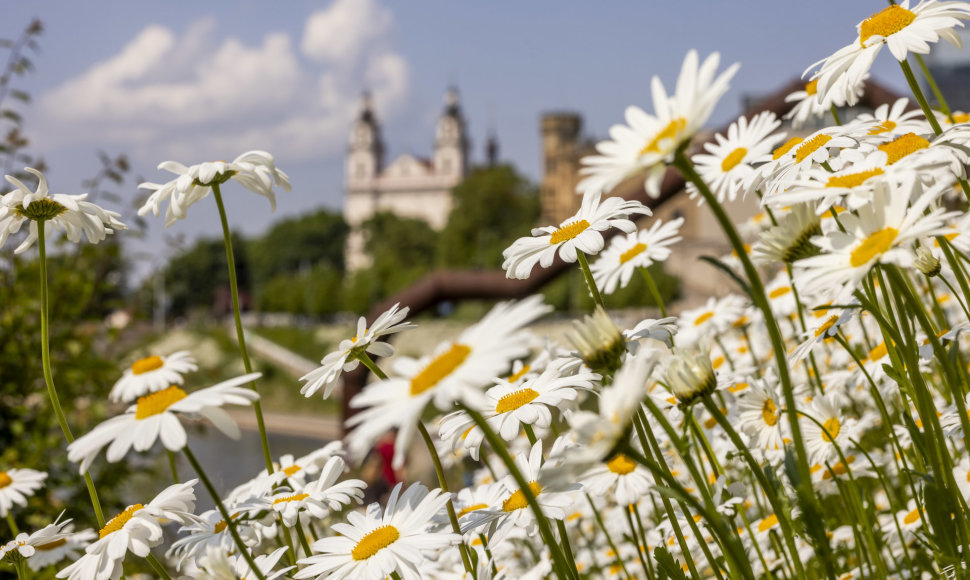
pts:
[667, 566]
[731, 273]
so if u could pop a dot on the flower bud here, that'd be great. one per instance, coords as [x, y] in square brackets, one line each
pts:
[599, 342]
[926, 262]
[690, 376]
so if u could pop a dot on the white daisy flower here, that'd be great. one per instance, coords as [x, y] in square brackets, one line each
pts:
[458, 370]
[902, 29]
[68, 213]
[337, 362]
[219, 565]
[510, 405]
[759, 414]
[153, 373]
[640, 249]
[379, 542]
[663, 330]
[254, 170]
[820, 147]
[626, 480]
[137, 530]
[650, 141]
[894, 120]
[156, 415]
[209, 531]
[26, 545]
[881, 233]
[838, 429]
[807, 105]
[730, 162]
[690, 375]
[320, 497]
[580, 233]
[712, 319]
[16, 485]
[68, 546]
[514, 511]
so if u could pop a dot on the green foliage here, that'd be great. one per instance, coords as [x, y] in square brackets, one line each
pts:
[84, 282]
[197, 277]
[492, 207]
[296, 244]
[402, 250]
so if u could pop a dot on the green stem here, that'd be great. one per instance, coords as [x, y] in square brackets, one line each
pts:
[172, 467]
[835, 115]
[157, 566]
[13, 524]
[920, 97]
[804, 489]
[563, 569]
[654, 291]
[588, 275]
[371, 365]
[759, 474]
[443, 484]
[240, 334]
[230, 523]
[934, 87]
[45, 355]
[302, 535]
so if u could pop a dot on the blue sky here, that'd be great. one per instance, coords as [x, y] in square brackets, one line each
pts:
[196, 81]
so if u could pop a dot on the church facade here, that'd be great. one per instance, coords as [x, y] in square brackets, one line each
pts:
[410, 186]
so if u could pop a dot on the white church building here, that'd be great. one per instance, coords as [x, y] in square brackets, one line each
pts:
[410, 186]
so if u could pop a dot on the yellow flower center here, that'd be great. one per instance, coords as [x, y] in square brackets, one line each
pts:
[439, 368]
[875, 245]
[810, 146]
[769, 412]
[733, 158]
[520, 374]
[839, 468]
[374, 542]
[472, 508]
[148, 364]
[568, 232]
[768, 523]
[911, 517]
[884, 127]
[786, 147]
[703, 318]
[889, 20]
[291, 469]
[902, 146]
[517, 500]
[853, 179]
[826, 326]
[5, 479]
[289, 498]
[780, 291]
[621, 464]
[878, 352]
[51, 545]
[832, 428]
[632, 253]
[117, 522]
[156, 403]
[220, 526]
[812, 87]
[669, 133]
[513, 401]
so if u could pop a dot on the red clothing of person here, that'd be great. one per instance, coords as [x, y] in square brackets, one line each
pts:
[385, 449]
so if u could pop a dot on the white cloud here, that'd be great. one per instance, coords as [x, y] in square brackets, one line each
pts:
[189, 97]
[342, 31]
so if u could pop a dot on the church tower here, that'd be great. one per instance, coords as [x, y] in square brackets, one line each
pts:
[451, 140]
[365, 159]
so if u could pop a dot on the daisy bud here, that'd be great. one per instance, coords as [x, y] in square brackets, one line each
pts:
[926, 262]
[690, 376]
[599, 342]
[790, 240]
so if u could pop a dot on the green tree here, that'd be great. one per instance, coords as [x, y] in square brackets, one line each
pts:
[292, 245]
[198, 278]
[402, 250]
[492, 207]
